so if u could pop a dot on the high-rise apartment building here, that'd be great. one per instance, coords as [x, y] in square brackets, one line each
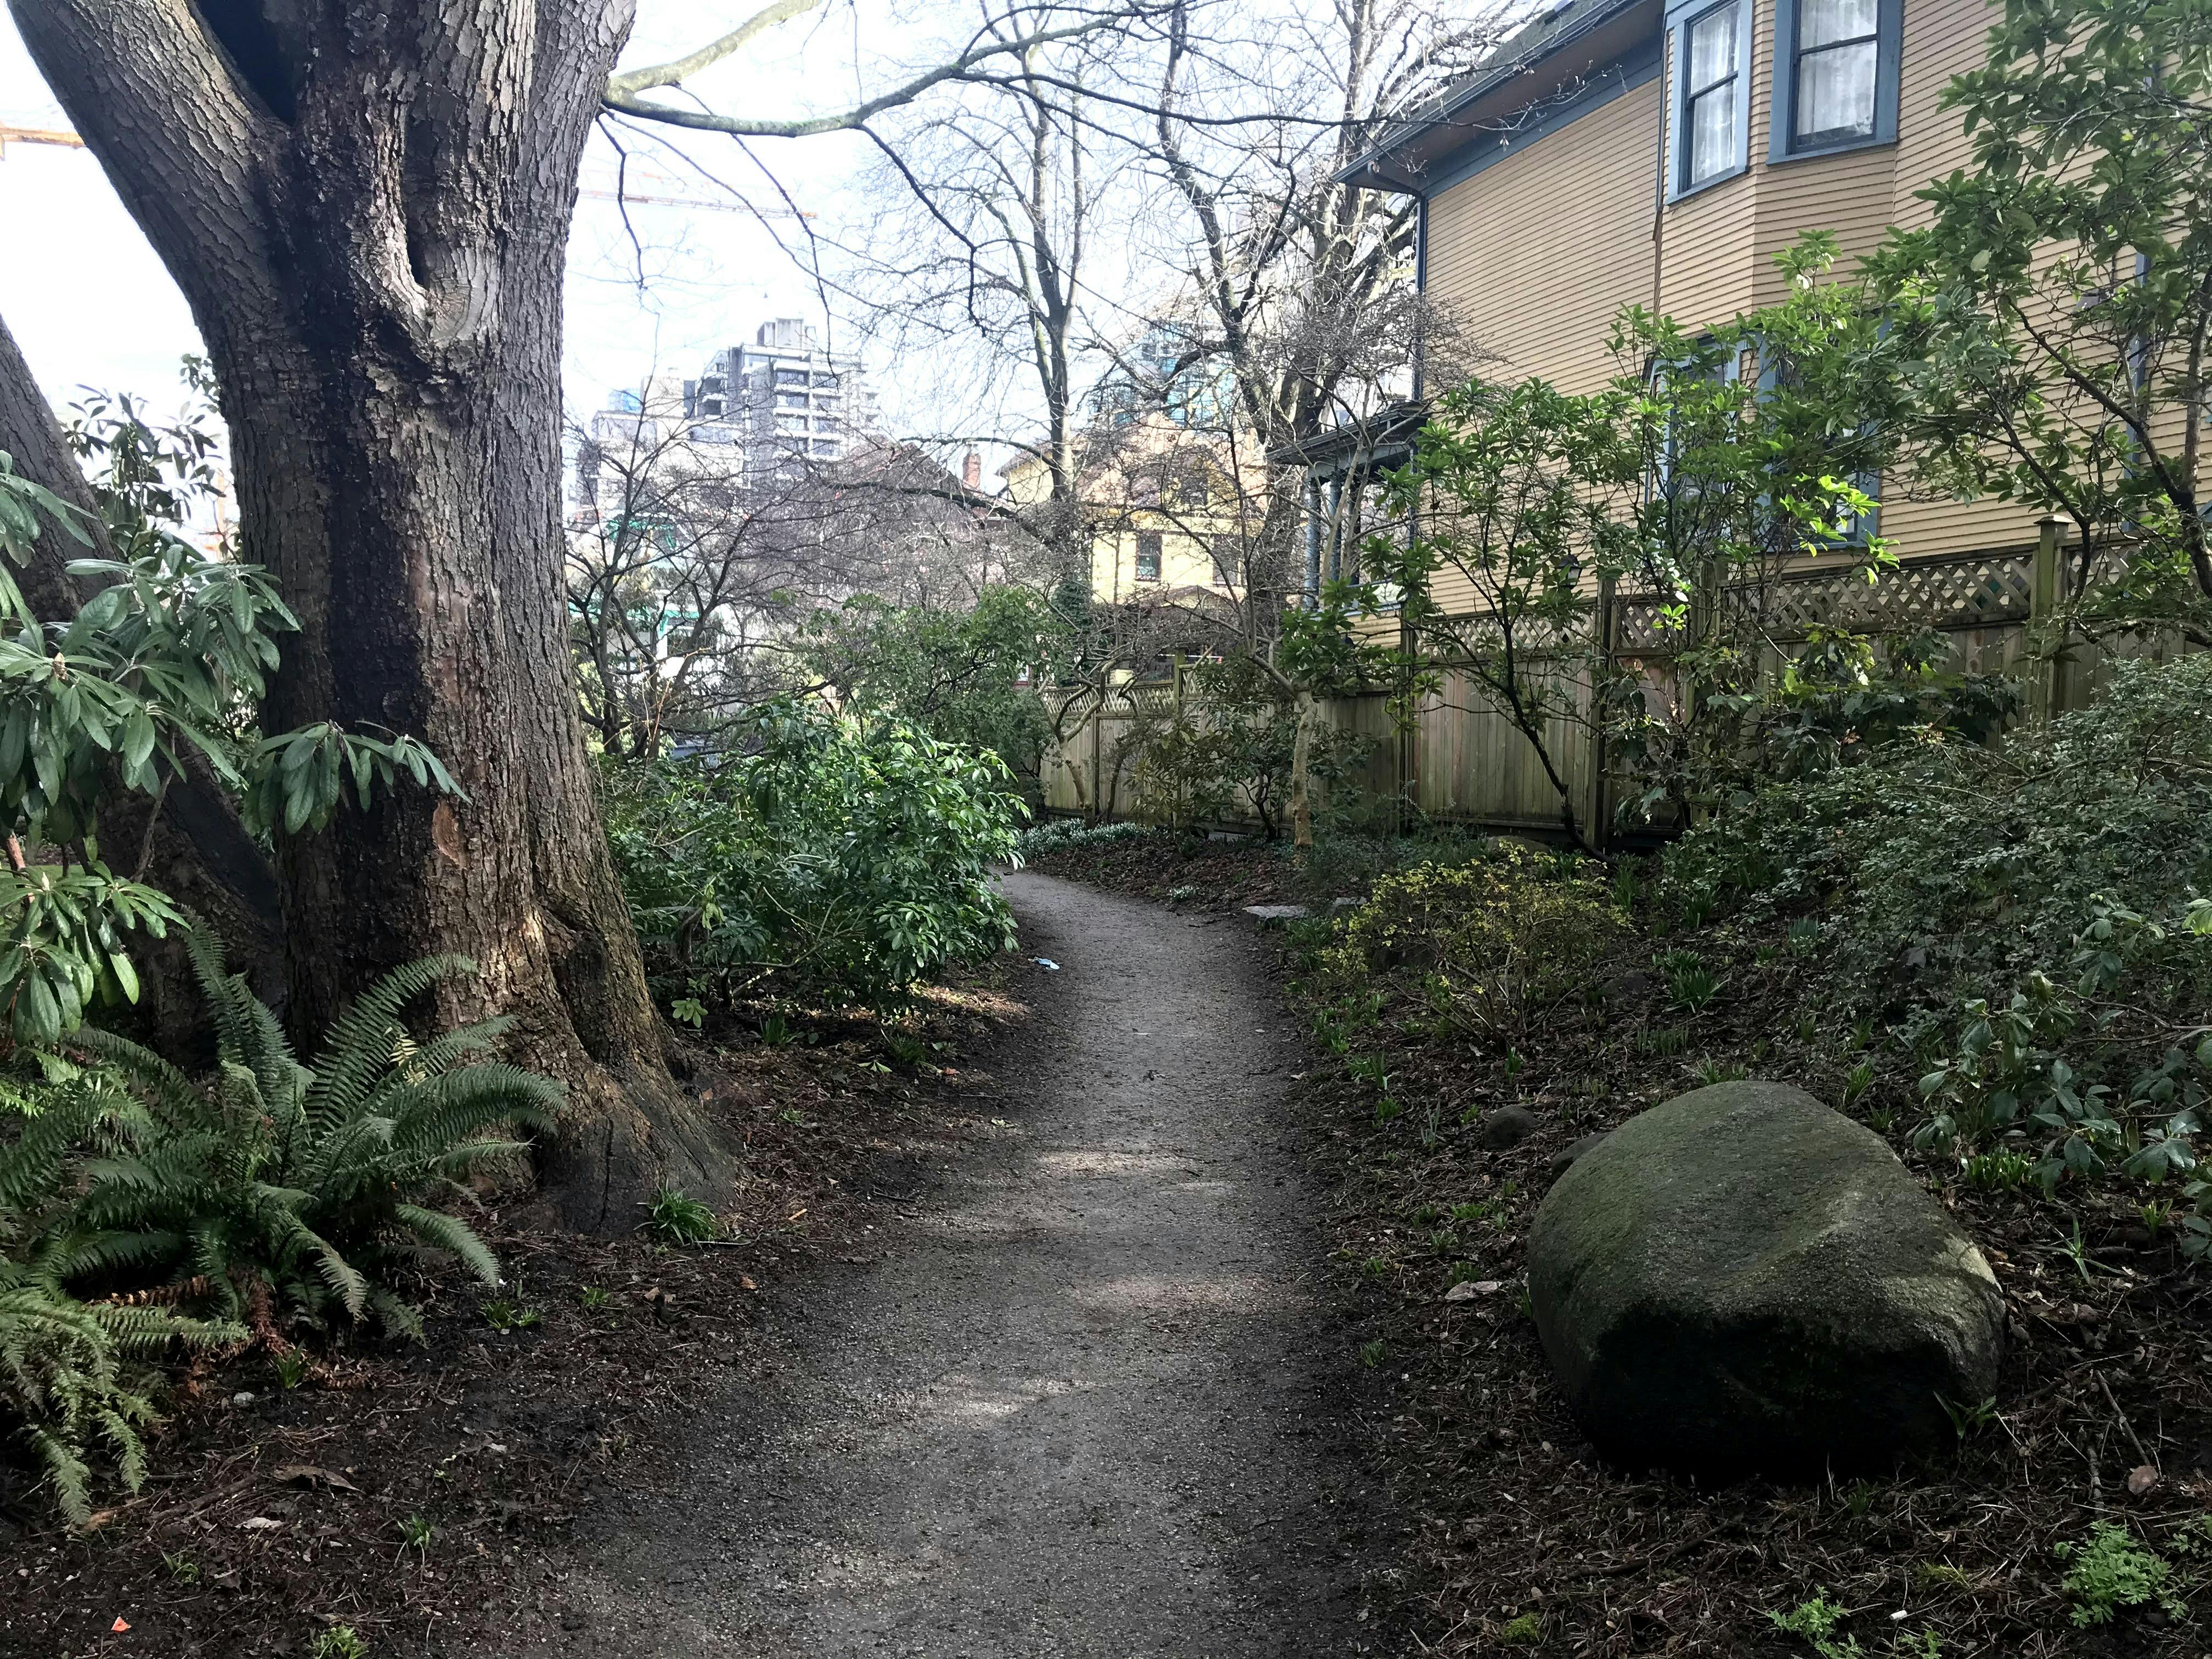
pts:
[787, 403]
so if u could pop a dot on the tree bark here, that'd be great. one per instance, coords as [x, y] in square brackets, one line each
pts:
[365, 203]
[189, 842]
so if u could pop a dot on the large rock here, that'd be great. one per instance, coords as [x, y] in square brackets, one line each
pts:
[1742, 1279]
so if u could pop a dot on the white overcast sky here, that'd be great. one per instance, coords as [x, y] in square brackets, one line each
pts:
[91, 305]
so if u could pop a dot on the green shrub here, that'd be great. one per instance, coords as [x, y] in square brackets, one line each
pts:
[275, 1185]
[1225, 752]
[2029, 922]
[1060, 834]
[72, 1373]
[1944, 867]
[1492, 942]
[839, 858]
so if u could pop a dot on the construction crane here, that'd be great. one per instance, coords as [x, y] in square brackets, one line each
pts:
[9, 135]
[607, 186]
[603, 190]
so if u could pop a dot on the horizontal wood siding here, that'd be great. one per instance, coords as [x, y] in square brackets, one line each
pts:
[1533, 255]
[1708, 241]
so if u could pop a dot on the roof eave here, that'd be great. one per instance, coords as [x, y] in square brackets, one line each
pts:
[1372, 170]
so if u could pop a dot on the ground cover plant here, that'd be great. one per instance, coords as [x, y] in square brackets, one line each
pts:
[429, 1494]
[144, 1214]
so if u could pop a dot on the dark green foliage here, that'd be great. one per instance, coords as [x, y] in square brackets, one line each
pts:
[139, 1207]
[72, 1373]
[2029, 922]
[837, 858]
[273, 1189]
[1940, 865]
[1841, 698]
[955, 674]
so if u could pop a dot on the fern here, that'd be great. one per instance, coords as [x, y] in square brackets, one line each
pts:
[270, 1191]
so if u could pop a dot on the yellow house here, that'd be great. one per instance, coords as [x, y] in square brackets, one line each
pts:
[1662, 152]
[1169, 514]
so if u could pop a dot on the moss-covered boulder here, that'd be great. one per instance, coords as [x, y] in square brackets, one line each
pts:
[1742, 1279]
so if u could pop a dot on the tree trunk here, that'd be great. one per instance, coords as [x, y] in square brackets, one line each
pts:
[366, 205]
[1302, 835]
[189, 842]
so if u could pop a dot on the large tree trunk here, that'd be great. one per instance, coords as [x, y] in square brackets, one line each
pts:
[365, 203]
[189, 842]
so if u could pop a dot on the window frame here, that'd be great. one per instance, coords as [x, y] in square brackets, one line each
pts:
[1680, 20]
[1157, 554]
[1782, 145]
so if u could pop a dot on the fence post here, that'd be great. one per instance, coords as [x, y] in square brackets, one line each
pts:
[1097, 723]
[1601, 814]
[2042, 613]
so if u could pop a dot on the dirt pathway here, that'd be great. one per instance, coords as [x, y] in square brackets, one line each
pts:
[1085, 1405]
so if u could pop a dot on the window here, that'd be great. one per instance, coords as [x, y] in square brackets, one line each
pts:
[1835, 85]
[1712, 105]
[1194, 491]
[1148, 555]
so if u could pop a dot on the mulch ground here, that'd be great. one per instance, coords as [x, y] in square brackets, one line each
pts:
[1515, 1536]
[422, 1495]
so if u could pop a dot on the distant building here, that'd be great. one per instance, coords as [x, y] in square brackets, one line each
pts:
[784, 401]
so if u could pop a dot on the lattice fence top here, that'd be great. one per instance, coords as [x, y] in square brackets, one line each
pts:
[1981, 591]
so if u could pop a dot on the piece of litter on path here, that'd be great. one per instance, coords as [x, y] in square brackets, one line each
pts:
[1047, 964]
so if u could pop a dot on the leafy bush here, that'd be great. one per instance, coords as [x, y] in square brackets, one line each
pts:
[2030, 920]
[271, 1190]
[1226, 752]
[69, 1374]
[1057, 835]
[154, 664]
[1944, 864]
[955, 674]
[1839, 702]
[1494, 941]
[842, 858]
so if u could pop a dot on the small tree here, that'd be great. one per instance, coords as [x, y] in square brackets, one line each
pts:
[2053, 319]
[966, 675]
[1518, 496]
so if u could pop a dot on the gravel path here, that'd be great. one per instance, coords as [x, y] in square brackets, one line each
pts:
[1084, 1406]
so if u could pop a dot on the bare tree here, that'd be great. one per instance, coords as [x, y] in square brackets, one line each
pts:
[691, 575]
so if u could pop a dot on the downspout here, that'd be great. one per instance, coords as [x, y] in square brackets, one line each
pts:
[1659, 172]
[1420, 294]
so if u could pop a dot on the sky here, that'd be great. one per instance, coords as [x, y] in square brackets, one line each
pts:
[91, 305]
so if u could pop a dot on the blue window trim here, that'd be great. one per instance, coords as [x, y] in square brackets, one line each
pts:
[1889, 48]
[1678, 19]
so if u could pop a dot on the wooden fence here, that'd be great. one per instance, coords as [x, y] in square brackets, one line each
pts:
[1464, 761]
